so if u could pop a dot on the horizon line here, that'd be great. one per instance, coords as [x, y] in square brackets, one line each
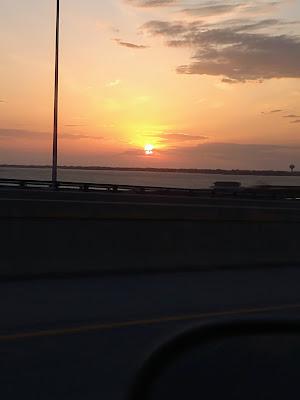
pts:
[154, 169]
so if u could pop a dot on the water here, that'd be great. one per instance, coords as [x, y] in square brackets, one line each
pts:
[165, 179]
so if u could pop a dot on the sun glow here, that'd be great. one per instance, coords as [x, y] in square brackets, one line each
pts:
[149, 149]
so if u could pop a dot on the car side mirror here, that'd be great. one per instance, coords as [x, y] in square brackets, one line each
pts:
[245, 360]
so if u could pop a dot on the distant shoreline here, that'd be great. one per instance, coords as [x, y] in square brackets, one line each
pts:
[157, 170]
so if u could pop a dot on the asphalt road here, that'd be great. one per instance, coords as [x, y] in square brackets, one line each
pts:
[86, 338]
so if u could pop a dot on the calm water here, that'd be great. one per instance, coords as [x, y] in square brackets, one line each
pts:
[166, 179]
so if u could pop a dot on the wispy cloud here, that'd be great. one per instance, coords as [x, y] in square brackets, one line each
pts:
[276, 111]
[178, 137]
[259, 7]
[29, 135]
[78, 136]
[239, 9]
[170, 29]
[130, 45]
[291, 116]
[113, 83]
[74, 125]
[297, 121]
[22, 134]
[210, 10]
[151, 3]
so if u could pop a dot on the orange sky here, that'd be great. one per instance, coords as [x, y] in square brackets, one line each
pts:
[208, 84]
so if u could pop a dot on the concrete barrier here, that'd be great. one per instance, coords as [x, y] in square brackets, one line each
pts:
[42, 237]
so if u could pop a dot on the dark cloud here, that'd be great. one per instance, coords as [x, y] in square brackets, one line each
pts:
[231, 81]
[244, 57]
[291, 116]
[219, 155]
[151, 3]
[228, 150]
[235, 155]
[232, 52]
[297, 121]
[130, 45]
[2, 101]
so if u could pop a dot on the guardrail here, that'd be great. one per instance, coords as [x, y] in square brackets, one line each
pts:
[270, 192]
[96, 187]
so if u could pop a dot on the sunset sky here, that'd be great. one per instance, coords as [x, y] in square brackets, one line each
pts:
[209, 84]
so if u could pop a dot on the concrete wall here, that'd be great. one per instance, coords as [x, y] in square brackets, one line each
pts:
[38, 238]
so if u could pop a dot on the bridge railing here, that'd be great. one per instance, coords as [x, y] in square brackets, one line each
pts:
[90, 186]
[262, 191]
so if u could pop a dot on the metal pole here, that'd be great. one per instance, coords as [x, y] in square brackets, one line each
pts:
[55, 122]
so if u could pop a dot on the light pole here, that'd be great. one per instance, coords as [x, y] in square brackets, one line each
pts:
[55, 121]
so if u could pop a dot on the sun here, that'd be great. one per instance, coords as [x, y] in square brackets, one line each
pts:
[149, 149]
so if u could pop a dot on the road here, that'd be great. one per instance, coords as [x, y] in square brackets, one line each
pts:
[85, 338]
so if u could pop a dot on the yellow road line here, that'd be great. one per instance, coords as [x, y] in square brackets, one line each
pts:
[142, 322]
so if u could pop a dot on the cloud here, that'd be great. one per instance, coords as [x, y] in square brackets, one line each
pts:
[210, 10]
[248, 26]
[215, 9]
[235, 155]
[178, 137]
[2, 101]
[134, 153]
[29, 135]
[78, 136]
[218, 155]
[22, 134]
[73, 125]
[151, 3]
[182, 137]
[244, 57]
[130, 45]
[230, 81]
[258, 8]
[291, 116]
[276, 111]
[166, 28]
[296, 122]
[140, 153]
[176, 28]
[113, 83]
[232, 53]
[227, 150]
